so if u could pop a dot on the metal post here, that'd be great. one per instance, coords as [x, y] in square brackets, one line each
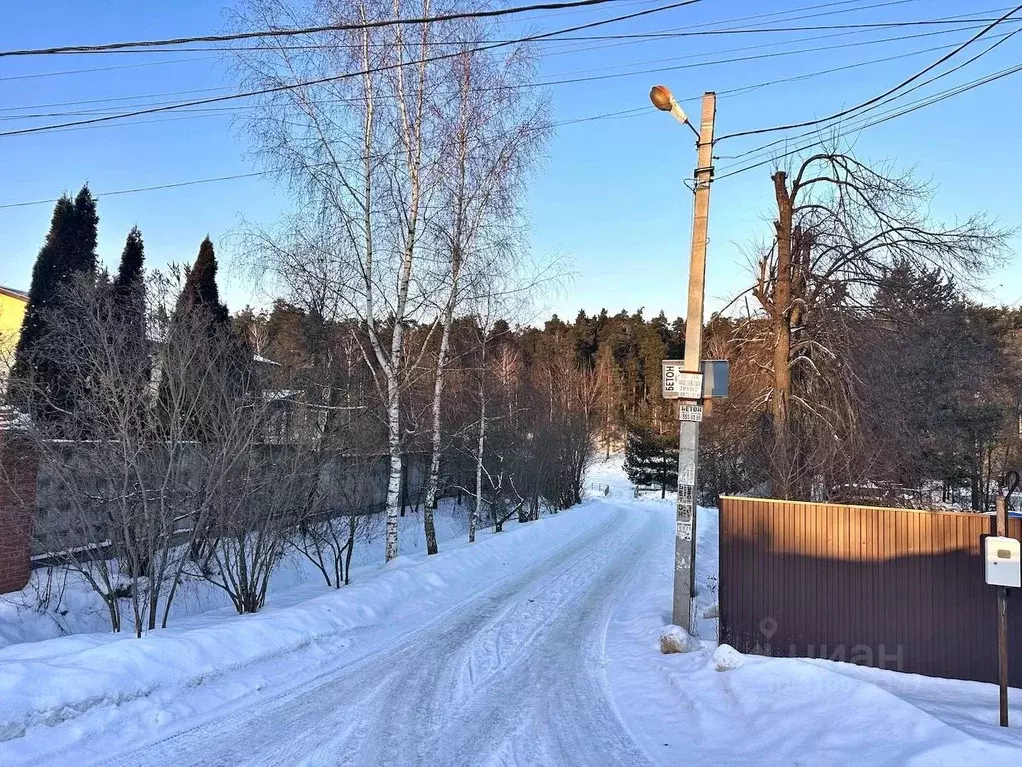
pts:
[1002, 617]
[688, 454]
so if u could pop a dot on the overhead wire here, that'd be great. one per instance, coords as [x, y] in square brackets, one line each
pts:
[276, 33]
[539, 83]
[875, 101]
[891, 114]
[893, 97]
[653, 37]
[343, 76]
[888, 92]
[193, 182]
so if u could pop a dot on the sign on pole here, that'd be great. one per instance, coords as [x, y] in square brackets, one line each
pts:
[678, 384]
[711, 382]
[690, 412]
[716, 375]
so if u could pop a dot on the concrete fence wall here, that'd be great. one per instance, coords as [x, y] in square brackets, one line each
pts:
[38, 516]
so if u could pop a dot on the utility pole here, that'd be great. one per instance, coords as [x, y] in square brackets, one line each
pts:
[688, 453]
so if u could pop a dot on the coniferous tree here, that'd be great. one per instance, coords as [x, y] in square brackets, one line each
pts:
[132, 260]
[200, 288]
[39, 381]
[199, 311]
[129, 286]
[129, 305]
[651, 458]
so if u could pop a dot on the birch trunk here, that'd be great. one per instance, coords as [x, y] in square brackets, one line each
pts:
[394, 477]
[479, 459]
[434, 458]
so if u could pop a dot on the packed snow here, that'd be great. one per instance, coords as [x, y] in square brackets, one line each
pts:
[539, 645]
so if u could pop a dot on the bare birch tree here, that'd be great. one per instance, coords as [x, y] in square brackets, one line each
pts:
[362, 151]
[401, 166]
[493, 138]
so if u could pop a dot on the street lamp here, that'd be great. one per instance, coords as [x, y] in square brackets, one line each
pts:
[690, 411]
[663, 100]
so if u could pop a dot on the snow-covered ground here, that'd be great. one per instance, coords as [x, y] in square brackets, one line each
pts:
[782, 710]
[534, 646]
[57, 602]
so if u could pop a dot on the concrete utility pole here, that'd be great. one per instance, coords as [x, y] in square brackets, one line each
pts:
[688, 455]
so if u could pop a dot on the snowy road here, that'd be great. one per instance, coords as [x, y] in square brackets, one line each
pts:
[513, 675]
[534, 646]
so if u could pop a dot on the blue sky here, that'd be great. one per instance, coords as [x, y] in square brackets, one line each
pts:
[609, 197]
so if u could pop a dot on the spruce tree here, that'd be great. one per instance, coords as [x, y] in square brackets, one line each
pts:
[83, 256]
[40, 381]
[651, 458]
[129, 286]
[132, 260]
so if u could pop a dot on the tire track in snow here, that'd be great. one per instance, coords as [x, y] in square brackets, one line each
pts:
[514, 674]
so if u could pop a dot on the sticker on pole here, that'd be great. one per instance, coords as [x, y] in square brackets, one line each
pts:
[678, 384]
[690, 412]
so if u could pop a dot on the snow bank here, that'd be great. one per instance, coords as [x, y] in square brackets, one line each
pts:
[57, 601]
[49, 682]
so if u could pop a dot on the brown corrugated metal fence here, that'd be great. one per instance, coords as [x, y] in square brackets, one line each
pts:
[891, 588]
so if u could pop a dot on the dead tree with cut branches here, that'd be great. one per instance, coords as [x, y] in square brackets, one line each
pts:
[841, 225]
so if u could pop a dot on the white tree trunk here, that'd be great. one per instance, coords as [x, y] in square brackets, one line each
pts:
[433, 480]
[479, 452]
[394, 478]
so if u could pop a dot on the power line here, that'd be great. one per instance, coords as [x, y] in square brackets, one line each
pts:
[732, 60]
[143, 189]
[544, 83]
[667, 35]
[819, 73]
[620, 40]
[897, 38]
[343, 76]
[135, 65]
[227, 110]
[635, 35]
[888, 116]
[193, 182]
[214, 112]
[1004, 38]
[883, 95]
[273, 33]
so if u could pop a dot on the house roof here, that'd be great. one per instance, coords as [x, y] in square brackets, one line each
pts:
[13, 293]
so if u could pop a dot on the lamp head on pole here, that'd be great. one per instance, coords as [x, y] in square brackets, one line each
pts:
[663, 100]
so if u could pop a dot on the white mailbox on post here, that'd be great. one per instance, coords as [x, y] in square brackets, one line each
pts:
[1003, 561]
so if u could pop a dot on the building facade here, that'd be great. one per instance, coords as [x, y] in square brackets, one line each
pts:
[12, 311]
